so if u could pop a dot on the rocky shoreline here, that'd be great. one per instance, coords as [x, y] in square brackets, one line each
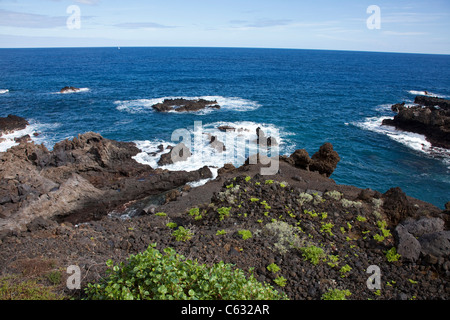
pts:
[430, 117]
[63, 207]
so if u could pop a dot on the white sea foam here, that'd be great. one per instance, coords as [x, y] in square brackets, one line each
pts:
[239, 144]
[412, 140]
[81, 90]
[226, 103]
[7, 140]
[3, 91]
[427, 93]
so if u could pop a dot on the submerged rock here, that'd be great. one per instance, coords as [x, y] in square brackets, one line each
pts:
[12, 123]
[68, 89]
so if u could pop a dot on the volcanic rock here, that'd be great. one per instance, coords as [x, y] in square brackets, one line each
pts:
[178, 153]
[67, 89]
[325, 160]
[12, 123]
[430, 117]
[183, 105]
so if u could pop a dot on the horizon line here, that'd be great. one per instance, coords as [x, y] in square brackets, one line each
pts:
[219, 47]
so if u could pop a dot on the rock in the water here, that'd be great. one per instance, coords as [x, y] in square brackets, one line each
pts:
[178, 153]
[67, 89]
[183, 105]
[431, 117]
[12, 123]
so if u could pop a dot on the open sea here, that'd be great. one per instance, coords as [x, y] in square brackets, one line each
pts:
[302, 97]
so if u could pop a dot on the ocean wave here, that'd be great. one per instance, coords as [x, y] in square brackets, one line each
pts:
[8, 140]
[81, 90]
[239, 144]
[411, 140]
[3, 91]
[226, 103]
[427, 93]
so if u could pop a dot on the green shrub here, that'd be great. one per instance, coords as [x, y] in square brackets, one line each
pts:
[14, 288]
[280, 280]
[195, 212]
[161, 214]
[152, 275]
[182, 234]
[223, 212]
[246, 234]
[392, 255]
[336, 294]
[273, 268]
[171, 225]
[313, 254]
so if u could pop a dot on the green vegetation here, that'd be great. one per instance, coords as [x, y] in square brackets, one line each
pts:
[313, 254]
[280, 280]
[254, 199]
[223, 212]
[195, 212]
[344, 270]
[336, 294]
[220, 232]
[273, 268]
[13, 288]
[245, 234]
[171, 225]
[151, 275]
[182, 234]
[269, 182]
[333, 260]
[392, 255]
[326, 228]
[161, 214]
[247, 178]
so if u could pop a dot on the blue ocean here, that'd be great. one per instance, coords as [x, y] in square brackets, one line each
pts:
[303, 97]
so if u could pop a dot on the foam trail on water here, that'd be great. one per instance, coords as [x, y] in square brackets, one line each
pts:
[3, 91]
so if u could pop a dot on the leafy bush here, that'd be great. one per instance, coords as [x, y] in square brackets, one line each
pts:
[152, 275]
[246, 234]
[182, 234]
[336, 294]
[273, 268]
[392, 255]
[223, 212]
[313, 254]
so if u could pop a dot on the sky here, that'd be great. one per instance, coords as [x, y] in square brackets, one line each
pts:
[415, 26]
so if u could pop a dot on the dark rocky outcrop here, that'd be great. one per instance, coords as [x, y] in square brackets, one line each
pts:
[12, 123]
[178, 153]
[68, 89]
[80, 179]
[430, 117]
[323, 161]
[183, 105]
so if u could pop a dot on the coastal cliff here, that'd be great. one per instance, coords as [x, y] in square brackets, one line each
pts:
[56, 210]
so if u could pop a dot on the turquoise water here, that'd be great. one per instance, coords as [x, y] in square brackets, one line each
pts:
[305, 97]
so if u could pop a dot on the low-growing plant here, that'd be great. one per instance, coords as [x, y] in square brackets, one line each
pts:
[361, 218]
[326, 228]
[273, 268]
[247, 178]
[245, 234]
[13, 288]
[269, 182]
[171, 225]
[161, 214]
[333, 260]
[182, 234]
[220, 232]
[195, 212]
[392, 255]
[313, 254]
[336, 294]
[152, 275]
[254, 199]
[280, 280]
[223, 212]
[344, 270]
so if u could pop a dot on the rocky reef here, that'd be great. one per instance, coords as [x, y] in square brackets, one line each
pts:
[185, 105]
[430, 117]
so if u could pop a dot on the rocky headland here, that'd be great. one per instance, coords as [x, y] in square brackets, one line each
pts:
[429, 117]
[67, 206]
